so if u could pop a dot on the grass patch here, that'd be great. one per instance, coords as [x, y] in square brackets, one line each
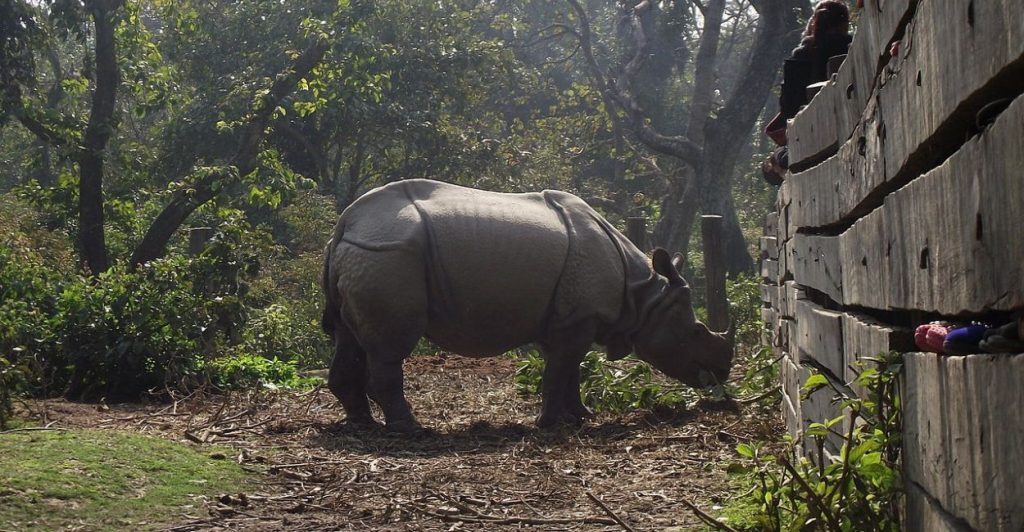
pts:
[104, 480]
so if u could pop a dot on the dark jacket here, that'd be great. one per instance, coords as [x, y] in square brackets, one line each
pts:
[806, 65]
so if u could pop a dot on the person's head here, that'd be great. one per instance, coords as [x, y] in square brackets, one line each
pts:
[830, 16]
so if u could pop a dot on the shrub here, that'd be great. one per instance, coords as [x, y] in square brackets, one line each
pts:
[607, 387]
[860, 488]
[278, 332]
[249, 371]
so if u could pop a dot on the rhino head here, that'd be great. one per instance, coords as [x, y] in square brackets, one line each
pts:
[674, 342]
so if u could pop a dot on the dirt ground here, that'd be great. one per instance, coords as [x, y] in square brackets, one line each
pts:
[481, 466]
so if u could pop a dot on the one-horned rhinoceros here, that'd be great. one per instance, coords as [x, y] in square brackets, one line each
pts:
[479, 273]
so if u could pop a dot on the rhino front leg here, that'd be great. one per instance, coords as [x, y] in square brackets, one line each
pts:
[560, 389]
[347, 377]
[573, 402]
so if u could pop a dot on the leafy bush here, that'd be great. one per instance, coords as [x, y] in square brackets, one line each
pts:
[607, 387]
[860, 488]
[248, 371]
[123, 331]
[277, 332]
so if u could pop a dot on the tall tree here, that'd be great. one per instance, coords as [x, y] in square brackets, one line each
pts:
[714, 137]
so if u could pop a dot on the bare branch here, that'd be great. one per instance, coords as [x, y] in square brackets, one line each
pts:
[675, 146]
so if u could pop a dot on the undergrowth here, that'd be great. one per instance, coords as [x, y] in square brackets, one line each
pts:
[630, 384]
[858, 488]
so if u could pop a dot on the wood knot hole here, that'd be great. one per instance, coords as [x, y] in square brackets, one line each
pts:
[924, 259]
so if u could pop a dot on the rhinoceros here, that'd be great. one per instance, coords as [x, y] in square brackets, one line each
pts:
[480, 273]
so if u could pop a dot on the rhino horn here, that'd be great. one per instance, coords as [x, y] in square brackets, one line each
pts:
[729, 333]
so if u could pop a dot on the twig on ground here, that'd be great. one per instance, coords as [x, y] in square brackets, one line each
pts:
[610, 513]
[511, 520]
[707, 518]
[31, 429]
[756, 398]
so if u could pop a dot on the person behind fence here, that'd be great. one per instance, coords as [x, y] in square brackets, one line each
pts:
[827, 34]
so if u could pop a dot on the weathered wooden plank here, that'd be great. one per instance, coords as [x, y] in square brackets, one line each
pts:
[952, 51]
[963, 416]
[830, 118]
[923, 514]
[792, 293]
[865, 249]
[866, 337]
[834, 190]
[923, 105]
[819, 337]
[783, 333]
[815, 263]
[791, 396]
[949, 241]
[769, 247]
[770, 270]
[771, 224]
[818, 407]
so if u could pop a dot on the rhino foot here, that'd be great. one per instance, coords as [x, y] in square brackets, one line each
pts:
[554, 421]
[404, 426]
[361, 422]
[580, 411]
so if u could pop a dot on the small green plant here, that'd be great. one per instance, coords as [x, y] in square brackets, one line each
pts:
[858, 489]
[608, 387]
[249, 370]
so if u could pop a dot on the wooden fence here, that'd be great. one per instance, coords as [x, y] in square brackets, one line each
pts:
[906, 204]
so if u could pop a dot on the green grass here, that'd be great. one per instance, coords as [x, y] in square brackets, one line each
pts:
[98, 480]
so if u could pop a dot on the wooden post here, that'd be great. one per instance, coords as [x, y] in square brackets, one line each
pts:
[714, 273]
[197, 239]
[636, 231]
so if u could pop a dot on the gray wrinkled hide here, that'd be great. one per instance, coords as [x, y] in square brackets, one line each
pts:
[489, 271]
[480, 273]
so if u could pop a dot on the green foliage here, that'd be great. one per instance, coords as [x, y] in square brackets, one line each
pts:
[859, 489]
[129, 331]
[608, 387]
[278, 332]
[249, 371]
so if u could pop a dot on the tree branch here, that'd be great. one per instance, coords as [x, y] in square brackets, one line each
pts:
[674, 146]
[186, 200]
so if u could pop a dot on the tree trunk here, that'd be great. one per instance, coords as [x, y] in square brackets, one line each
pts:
[678, 211]
[726, 135]
[92, 247]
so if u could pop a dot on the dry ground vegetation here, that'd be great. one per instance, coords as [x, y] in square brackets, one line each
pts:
[482, 465]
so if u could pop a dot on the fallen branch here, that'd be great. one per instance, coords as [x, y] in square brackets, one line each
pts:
[708, 518]
[30, 429]
[610, 513]
[512, 520]
[757, 398]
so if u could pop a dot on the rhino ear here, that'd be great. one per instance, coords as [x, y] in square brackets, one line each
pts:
[664, 265]
[679, 262]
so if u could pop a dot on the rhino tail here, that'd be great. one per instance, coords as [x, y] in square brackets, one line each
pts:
[331, 306]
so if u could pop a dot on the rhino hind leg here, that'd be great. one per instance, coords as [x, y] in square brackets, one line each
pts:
[348, 375]
[387, 390]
